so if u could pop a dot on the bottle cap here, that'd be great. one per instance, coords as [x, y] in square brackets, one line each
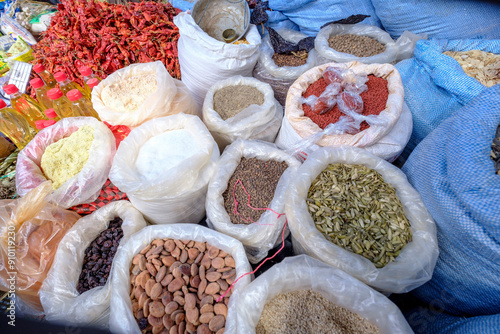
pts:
[10, 89]
[92, 82]
[38, 68]
[49, 122]
[54, 93]
[39, 124]
[74, 95]
[2, 104]
[85, 71]
[50, 113]
[37, 83]
[60, 76]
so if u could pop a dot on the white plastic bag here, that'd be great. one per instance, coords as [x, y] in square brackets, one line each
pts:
[166, 180]
[122, 319]
[385, 140]
[81, 188]
[60, 299]
[254, 122]
[303, 273]
[414, 265]
[171, 96]
[258, 238]
[205, 60]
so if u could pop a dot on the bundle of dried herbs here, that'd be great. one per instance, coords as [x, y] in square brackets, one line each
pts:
[282, 46]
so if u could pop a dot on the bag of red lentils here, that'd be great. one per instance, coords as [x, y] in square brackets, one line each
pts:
[385, 122]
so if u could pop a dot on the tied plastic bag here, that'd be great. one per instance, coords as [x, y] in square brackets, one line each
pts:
[60, 299]
[170, 97]
[122, 319]
[81, 188]
[281, 78]
[303, 273]
[164, 167]
[411, 268]
[31, 229]
[388, 132]
[205, 60]
[254, 122]
[259, 237]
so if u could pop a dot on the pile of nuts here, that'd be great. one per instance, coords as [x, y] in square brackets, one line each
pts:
[175, 285]
[482, 66]
[356, 45]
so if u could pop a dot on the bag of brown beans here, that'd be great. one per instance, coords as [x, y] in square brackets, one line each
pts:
[187, 269]
[304, 295]
[78, 286]
[357, 212]
[266, 232]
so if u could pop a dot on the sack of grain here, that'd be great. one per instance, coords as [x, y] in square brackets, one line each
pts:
[393, 258]
[265, 233]
[346, 303]
[164, 167]
[141, 92]
[241, 108]
[60, 298]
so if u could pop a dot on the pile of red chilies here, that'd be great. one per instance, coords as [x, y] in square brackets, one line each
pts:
[107, 37]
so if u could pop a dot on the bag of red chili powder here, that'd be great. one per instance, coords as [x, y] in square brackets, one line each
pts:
[387, 123]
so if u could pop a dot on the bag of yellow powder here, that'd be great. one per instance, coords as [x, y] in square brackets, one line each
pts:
[31, 230]
[75, 154]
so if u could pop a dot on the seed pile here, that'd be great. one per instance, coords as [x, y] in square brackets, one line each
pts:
[99, 257]
[175, 285]
[357, 210]
[308, 312]
[295, 59]
[230, 100]
[260, 179]
[359, 46]
[495, 151]
[482, 66]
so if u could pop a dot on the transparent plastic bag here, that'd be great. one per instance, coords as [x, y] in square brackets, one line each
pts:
[81, 188]
[257, 238]
[171, 96]
[60, 299]
[177, 194]
[121, 318]
[34, 227]
[414, 265]
[254, 122]
[302, 273]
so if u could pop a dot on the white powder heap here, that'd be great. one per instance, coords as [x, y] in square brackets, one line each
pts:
[129, 94]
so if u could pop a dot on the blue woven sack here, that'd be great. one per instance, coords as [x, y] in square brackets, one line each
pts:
[453, 172]
[435, 84]
[445, 19]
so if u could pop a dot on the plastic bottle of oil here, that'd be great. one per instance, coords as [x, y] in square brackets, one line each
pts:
[41, 93]
[51, 114]
[66, 85]
[45, 75]
[15, 126]
[61, 104]
[80, 105]
[24, 104]
[87, 74]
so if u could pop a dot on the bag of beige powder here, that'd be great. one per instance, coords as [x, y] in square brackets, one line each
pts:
[75, 154]
[140, 92]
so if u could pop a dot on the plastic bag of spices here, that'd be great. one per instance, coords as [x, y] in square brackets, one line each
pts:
[281, 77]
[61, 300]
[140, 92]
[205, 60]
[122, 319]
[416, 260]
[306, 273]
[255, 121]
[85, 186]
[385, 138]
[164, 167]
[31, 229]
[261, 236]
